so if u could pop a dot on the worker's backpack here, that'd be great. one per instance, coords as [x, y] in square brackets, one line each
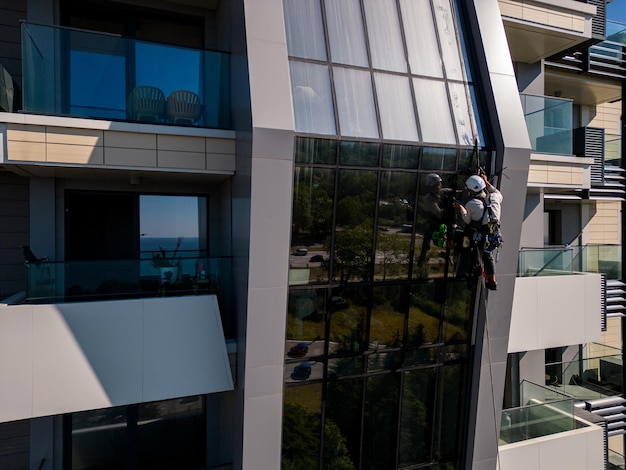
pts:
[485, 232]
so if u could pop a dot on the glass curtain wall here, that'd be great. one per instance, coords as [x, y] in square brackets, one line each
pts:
[378, 318]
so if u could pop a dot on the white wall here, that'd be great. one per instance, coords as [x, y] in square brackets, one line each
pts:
[78, 356]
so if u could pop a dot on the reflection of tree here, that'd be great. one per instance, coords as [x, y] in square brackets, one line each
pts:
[394, 250]
[313, 203]
[301, 439]
[353, 253]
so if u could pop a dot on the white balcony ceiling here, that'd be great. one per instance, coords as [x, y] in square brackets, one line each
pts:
[585, 90]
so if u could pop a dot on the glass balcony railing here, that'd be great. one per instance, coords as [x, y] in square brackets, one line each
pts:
[597, 374]
[78, 73]
[549, 123]
[538, 417]
[73, 281]
[561, 260]
[612, 150]
[615, 461]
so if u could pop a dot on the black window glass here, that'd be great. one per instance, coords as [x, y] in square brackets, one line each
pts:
[389, 304]
[359, 154]
[416, 417]
[449, 420]
[438, 159]
[396, 206]
[424, 319]
[355, 219]
[311, 224]
[400, 156]
[99, 438]
[343, 418]
[306, 311]
[302, 424]
[316, 151]
[380, 422]
[456, 314]
[348, 320]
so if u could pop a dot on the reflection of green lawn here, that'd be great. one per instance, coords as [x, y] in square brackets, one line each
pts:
[310, 396]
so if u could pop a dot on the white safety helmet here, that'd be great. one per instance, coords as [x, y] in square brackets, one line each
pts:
[475, 184]
[432, 179]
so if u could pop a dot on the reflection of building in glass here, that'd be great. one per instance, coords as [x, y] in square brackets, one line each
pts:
[240, 260]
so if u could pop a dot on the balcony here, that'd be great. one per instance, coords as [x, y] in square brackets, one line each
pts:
[69, 72]
[542, 317]
[536, 434]
[549, 123]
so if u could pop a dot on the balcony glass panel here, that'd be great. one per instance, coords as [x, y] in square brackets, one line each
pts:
[562, 260]
[79, 281]
[537, 420]
[612, 150]
[597, 374]
[549, 123]
[78, 73]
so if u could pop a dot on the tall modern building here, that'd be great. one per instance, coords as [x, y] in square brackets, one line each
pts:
[218, 248]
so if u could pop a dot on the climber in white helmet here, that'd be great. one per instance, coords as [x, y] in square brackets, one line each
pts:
[473, 214]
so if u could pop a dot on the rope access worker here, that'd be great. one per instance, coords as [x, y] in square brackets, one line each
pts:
[473, 214]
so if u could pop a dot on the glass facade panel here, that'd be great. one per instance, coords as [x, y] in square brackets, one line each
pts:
[396, 206]
[380, 423]
[456, 313]
[450, 410]
[359, 153]
[416, 417]
[302, 426]
[316, 151]
[400, 156]
[446, 29]
[461, 109]
[424, 323]
[312, 218]
[355, 103]
[436, 159]
[356, 204]
[345, 32]
[385, 38]
[421, 38]
[436, 126]
[344, 400]
[397, 116]
[388, 317]
[305, 30]
[312, 98]
[99, 439]
[348, 321]
[306, 310]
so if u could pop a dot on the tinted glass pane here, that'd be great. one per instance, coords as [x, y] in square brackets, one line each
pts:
[438, 159]
[351, 365]
[315, 151]
[312, 99]
[355, 103]
[305, 324]
[356, 203]
[359, 153]
[435, 216]
[380, 422]
[446, 28]
[416, 417]
[385, 40]
[345, 32]
[421, 38]
[99, 439]
[305, 30]
[302, 424]
[436, 127]
[457, 312]
[397, 116]
[313, 194]
[389, 305]
[425, 313]
[172, 434]
[469, 163]
[342, 423]
[421, 356]
[450, 411]
[400, 156]
[348, 320]
[463, 113]
[395, 215]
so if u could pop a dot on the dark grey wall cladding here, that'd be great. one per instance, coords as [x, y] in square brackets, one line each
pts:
[14, 231]
[11, 12]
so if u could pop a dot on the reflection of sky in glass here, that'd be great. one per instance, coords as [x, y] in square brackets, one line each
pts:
[168, 68]
[98, 80]
[168, 216]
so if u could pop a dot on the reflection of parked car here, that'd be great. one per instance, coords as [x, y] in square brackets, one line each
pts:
[316, 258]
[300, 252]
[338, 302]
[301, 372]
[299, 350]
